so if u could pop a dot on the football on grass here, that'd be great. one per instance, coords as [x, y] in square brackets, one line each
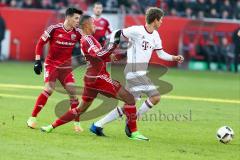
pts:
[225, 134]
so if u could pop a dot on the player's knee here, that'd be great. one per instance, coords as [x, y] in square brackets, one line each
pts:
[49, 87]
[71, 90]
[71, 93]
[48, 90]
[155, 99]
[130, 99]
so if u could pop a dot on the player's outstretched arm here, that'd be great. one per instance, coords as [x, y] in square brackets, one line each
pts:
[106, 52]
[178, 58]
[112, 46]
[165, 56]
[101, 53]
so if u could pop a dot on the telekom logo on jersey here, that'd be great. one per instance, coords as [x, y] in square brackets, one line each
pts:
[146, 45]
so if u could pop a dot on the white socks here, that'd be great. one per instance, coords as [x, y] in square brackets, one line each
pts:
[111, 116]
[144, 108]
[117, 112]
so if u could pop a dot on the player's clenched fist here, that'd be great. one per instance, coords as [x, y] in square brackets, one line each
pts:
[179, 58]
[38, 67]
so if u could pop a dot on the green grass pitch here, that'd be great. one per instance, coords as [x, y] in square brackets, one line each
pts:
[208, 100]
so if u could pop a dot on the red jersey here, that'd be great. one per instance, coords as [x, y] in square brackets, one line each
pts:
[102, 27]
[61, 44]
[96, 55]
[97, 79]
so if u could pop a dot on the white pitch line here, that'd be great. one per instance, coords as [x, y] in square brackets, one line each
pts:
[22, 97]
[21, 86]
[165, 97]
[174, 97]
[17, 96]
[202, 99]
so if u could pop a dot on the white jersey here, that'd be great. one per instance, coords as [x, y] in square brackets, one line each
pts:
[142, 44]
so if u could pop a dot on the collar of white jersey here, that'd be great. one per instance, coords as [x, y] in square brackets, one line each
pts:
[147, 30]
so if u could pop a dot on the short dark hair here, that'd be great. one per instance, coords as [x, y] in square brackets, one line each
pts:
[97, 3]
[83, 18]
[72, 11]
[153, 13]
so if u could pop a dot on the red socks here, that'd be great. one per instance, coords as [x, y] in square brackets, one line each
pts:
[130, 111]
[74, 103]
[42, 99]
[67, 117]
[40, 103]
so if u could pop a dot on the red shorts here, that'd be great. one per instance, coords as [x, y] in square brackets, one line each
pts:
[64, 75]
[103, 85]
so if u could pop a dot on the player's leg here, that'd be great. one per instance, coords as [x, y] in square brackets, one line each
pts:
[111, 116]
[109, 88]
[67, 80]
[118, 112]
[69, 84]
[73, 113]
[88, 96]
[40, 103]
[148, 104]
[115, 113]
[74, 102]
[130, 112]
[112, 88]
[50, 74]
[97, 127]
[129, 108]
[150, 90]
[67, 117]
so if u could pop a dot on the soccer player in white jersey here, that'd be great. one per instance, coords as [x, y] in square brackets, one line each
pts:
[145, 39]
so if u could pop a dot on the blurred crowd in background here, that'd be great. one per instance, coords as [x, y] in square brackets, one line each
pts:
[205, 46]
[225, 9]
[211, 47]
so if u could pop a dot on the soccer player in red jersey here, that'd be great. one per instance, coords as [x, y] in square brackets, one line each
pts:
[97, 80]
[102, 24]
[62, 38]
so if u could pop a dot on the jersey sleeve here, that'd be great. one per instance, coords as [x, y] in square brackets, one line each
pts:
[47, 33]
[45, 37]
[39, 47]
[129, 32]
[158, 42]
[94, 51]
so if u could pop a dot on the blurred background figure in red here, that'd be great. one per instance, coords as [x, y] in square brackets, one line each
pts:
[2, 33]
